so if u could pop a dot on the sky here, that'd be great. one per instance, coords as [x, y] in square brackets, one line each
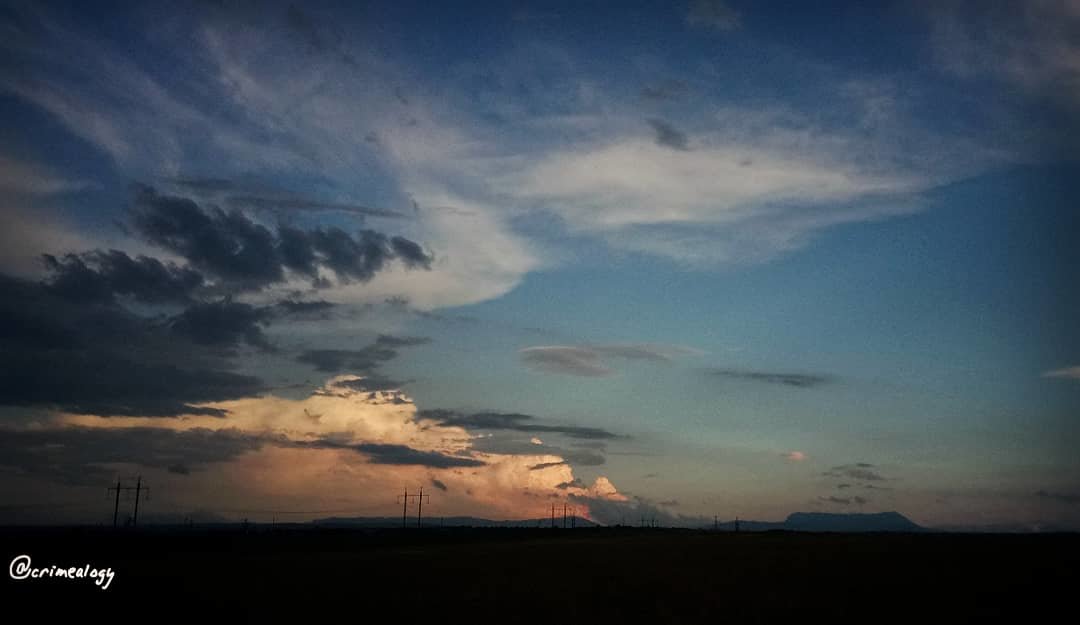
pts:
[667, 260]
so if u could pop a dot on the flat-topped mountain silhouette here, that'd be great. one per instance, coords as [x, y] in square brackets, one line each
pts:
[831, 522]
[851, 522]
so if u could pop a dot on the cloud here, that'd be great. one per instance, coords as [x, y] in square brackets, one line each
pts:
[545, 465]
[536, 441]
[511, 421]
[859, 471]
[1031, 45]
[1068, 373]
[20, 177]
[439, 484]
[714, 14]
[372, 382]
[313, 309]
[633, 511]
[246, 255]
[799, 380]
[590, 360]
[383, 453]
[100, 276]
[668, 136]
[303, 204]
[223, 324]
[263, 100]
[795, 456]
[297, 454]
[101, 358]
[364, 360]
[85, 455]
[566, 360]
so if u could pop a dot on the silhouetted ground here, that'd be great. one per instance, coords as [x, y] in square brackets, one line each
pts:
[532, 575]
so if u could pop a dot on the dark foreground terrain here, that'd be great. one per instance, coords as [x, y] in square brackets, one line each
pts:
[532, 575]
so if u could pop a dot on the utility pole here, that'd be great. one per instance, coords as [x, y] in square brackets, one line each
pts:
[138, 488]
[715, 522]
[552, 516]
[116, 506]
[420, 505]
[405, 506]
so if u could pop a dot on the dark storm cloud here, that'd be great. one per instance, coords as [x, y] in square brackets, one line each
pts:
[102, 275]
[667, 135]
[363, 360]
[341, 360]
[384, 453]
[246, 255]
[511, 421]
[410, 253]
[371, 382]
[799, 380]
[574, 483]
[545, 465]
[99, 358]
[389, 340]
[318, 309]
[1068, 498]
[223, 324]
[84, 455]
[858, 471]
[227, 245]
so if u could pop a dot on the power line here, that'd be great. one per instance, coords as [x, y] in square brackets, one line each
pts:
[404, 499]
[139, 489]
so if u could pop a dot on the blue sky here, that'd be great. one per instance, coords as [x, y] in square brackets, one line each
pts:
[782, 257]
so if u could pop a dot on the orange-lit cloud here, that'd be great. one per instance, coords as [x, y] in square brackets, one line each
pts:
[795, 456]
[323, 452]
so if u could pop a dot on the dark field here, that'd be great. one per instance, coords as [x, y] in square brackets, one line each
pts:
[531, 575]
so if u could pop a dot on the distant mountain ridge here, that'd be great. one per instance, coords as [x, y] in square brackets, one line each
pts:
[795, 522]
[450, 521]
[852, 522]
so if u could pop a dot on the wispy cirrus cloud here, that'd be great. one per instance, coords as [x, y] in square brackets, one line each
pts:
[798, 380]
[1067, 373]
[594, 360]
[858, 471]
[512, 421]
